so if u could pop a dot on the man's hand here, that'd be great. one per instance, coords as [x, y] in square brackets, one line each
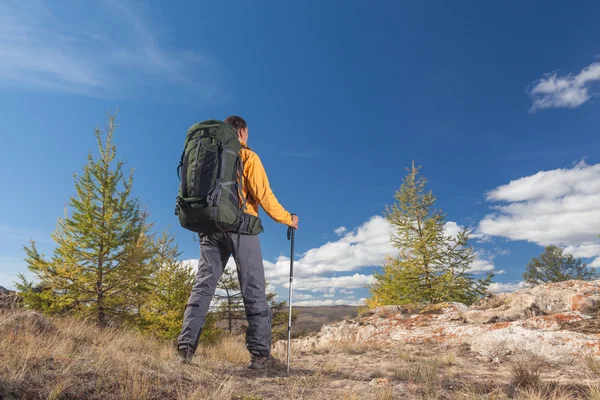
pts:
[294, 221]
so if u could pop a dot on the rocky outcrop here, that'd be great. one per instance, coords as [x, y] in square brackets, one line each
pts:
[554, 298]
[556, 321]
[9, 300]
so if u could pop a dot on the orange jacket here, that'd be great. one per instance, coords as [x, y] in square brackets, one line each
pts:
[256, 188]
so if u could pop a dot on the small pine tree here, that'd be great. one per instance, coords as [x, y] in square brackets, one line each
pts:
[432, 267]
[172, 281]
[553, 265]
[230, 305]
[280, 311]
[101, 265]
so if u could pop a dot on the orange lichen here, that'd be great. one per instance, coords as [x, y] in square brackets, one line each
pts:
[500, 325]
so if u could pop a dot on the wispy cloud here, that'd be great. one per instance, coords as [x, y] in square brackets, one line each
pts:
[109, 50]
[340, 231]
[569, 91]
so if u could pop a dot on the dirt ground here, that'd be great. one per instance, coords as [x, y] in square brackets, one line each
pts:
[417, 372]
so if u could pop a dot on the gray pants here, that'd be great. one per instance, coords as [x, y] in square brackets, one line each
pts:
[215, 250]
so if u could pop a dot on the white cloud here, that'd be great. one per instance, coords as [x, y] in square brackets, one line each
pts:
[301, 296]
[329, 302]
[366, 246]
[569, 91]
[498, 287]
[451, 228]
[584, 250]
[329, 285]
[341, 230]
[109, 52]
[481, 265]
[559, 207]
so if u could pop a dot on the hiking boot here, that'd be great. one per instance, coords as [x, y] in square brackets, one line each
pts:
[184, 354]
[262, 362]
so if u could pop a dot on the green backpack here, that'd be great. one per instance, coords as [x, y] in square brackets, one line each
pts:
[211, 176]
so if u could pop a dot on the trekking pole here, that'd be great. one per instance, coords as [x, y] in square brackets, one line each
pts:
[290, 236]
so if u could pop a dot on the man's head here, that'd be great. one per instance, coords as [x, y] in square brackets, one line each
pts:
[239, 125]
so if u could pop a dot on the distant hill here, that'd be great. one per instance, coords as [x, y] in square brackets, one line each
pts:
[311, 319]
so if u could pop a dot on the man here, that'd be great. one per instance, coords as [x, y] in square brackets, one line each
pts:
[215, 251]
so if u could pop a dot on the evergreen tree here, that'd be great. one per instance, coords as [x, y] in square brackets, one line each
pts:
[280, 312]
[101, 264]
[431, 266]
[230, 305]
[161, 312]
[553, 265]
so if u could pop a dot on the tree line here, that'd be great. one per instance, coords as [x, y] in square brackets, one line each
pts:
[109, 265]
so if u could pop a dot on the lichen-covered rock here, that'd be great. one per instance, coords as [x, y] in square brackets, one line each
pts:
[380, 382]
[541, 320]
[552, 298]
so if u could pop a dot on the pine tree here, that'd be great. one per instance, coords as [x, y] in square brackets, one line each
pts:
[280, 312]
[431, 266]
[553, 265]
[172, 281]
[101, 264]
[230, 305]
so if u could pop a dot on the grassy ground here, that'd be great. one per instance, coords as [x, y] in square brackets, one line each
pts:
[68, 359]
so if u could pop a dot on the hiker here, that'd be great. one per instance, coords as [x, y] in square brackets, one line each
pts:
[215, 250]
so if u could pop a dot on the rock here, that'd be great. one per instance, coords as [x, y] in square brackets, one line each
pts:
[380, 382]
[9, 300]
[540, 320]
[552, 298]
[25, 322]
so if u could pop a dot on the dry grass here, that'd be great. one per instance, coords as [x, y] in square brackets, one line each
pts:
[471, 391]
[526, 372]
[69, 359]
[230, 349]
[384, 393]
[448, 359]
[331, 367]
[351, 395]
[592, 364]
[544, 394]
[349, 346]
[427, 375]
[594, 391]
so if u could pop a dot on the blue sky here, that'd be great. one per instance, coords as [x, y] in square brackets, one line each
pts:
[497, 102]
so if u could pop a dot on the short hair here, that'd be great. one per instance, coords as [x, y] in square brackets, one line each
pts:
[235, 121]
